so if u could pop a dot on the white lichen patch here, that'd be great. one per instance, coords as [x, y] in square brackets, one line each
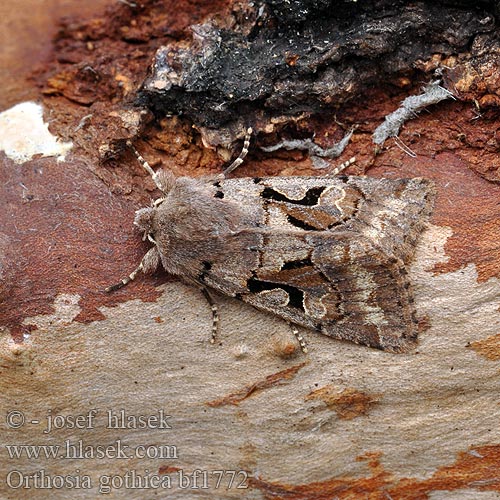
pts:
[23, 134]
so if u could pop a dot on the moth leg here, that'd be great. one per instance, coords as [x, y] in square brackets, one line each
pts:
[215, 314]
[148, 264]
[299, 337]
[342, 166]
[236, 163]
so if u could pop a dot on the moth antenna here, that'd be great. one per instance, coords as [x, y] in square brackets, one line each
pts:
[146, 166]
[215, 314]
[145, 264]
[342, 166]
[298, 336]
[236, 163]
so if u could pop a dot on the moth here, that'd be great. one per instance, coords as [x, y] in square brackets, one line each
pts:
[326, 253]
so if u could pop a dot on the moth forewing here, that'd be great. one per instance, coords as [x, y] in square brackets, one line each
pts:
[327, 253]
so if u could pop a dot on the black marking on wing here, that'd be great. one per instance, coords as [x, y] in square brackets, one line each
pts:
[296, 296]
[295, 264]
[301, 224]
[206, 268]
[310, 199]
[218, 193]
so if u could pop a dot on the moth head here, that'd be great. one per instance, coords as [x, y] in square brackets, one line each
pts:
[144, 219]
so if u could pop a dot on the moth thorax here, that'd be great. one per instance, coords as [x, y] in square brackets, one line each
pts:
[144, 218]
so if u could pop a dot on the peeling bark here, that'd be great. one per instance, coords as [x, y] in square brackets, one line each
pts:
[282, 60]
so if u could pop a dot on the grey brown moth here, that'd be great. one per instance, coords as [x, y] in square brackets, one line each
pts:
[327, 253]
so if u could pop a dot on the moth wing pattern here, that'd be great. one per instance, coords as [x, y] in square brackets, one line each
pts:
[327, 253]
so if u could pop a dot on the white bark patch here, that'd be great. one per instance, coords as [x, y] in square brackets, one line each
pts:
[66, 309]
[23, 134]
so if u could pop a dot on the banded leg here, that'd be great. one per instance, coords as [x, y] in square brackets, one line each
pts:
[342, 166]
[299, 337]
[236, 163]
[215, 314]
[148, 264]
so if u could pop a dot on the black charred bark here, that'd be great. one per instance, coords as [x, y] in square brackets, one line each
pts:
[284, 58]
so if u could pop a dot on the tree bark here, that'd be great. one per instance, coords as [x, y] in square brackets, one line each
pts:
[343, 421]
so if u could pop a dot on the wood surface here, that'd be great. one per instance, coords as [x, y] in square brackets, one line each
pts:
[344, 421]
